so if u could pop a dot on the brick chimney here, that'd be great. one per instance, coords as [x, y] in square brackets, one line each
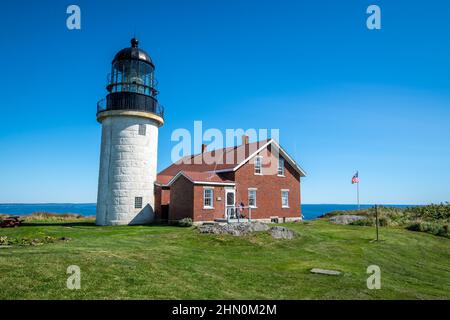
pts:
[244, 139]
[204, 148]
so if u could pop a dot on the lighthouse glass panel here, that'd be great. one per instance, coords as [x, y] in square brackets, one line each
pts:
[132, 76]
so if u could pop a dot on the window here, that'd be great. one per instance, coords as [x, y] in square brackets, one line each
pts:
[258, 165]
[252, 197]
[281, 166]
[142, 129]
[138, 202]
[208, 197]
[285, 198]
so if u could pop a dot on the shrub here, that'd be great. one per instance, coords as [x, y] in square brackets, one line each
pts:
[414, 226]
[384, 221]
[53, 216]
[434, 228]
[185, 222]
[26, 241]
[362, 212]
[363, 222]
[433, 218]
[430, 213]
[4, 241]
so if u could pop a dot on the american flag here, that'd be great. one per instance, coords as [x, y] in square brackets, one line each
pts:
[355, 178]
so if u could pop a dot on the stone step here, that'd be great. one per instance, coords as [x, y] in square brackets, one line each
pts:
[325, 271]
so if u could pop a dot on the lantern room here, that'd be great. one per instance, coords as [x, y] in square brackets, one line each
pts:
[131, 83]
[132, 71]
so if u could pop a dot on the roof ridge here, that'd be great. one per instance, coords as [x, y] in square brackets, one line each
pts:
[225, 151]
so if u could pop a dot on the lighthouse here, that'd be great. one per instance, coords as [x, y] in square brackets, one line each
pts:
[130, 117]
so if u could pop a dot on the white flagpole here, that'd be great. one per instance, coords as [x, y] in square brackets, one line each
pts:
[357, 193]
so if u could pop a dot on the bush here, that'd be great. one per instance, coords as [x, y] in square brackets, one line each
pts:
[430, 213]
[52, 216]
[185, 222]
[4, 241]
[362, 212]
[384, 221]
[434, 228]
[25, 241]
[433, 218]
[363, 222]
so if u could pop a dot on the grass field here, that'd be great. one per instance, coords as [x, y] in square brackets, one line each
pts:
[169, 262]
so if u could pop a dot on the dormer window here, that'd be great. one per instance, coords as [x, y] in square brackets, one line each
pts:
[281, 167]
[258, 165]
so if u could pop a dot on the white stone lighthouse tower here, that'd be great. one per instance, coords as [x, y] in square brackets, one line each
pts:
[130, 117]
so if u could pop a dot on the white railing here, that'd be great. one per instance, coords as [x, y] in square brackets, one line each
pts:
[237, 212]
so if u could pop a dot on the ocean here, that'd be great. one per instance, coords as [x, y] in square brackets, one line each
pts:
[310, 211]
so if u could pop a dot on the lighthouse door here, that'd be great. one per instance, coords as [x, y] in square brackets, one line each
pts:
[229, 203]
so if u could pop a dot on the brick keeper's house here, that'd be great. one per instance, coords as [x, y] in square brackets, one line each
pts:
[256, 179]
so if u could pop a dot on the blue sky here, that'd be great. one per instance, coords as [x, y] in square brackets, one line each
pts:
[343, 97]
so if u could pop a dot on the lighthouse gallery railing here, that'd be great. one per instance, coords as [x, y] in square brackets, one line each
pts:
[130, 101]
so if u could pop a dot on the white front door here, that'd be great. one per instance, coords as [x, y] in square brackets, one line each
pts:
[230, 202]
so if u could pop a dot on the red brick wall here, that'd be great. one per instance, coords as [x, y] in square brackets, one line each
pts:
[201, 214]
[181, 199]
[165, 196]
[162, 198]
[157, 209]
[268, 195]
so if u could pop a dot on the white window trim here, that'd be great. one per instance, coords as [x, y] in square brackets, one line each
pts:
[284, 206]
[261, 167]
[212, 198]
[248, 196]
[284, 167]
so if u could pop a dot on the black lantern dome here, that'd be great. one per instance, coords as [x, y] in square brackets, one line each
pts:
[131, 83]
[133, 53]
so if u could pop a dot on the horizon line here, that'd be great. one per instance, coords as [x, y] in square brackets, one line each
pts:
[94, 203]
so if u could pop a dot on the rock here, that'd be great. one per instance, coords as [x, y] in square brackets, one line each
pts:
[282, 233]
[235, 229]
[324, 271]
[208, 228]
[65, 239]
[345, 219]
[258, 226]
[246, 228]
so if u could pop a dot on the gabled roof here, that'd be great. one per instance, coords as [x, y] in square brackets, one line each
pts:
[200, 163]
[202, 178]
[209, 166]
[279, 149]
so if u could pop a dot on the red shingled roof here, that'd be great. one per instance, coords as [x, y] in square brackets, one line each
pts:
[201, 167]
[206, 177]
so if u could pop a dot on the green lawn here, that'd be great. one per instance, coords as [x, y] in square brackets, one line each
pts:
[167, 262]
